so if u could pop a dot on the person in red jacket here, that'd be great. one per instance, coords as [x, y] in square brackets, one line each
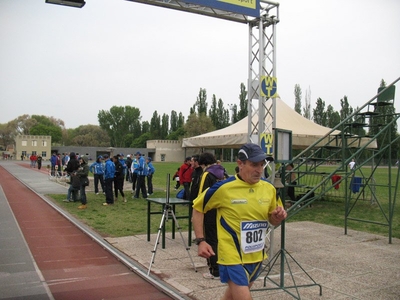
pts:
[185, 177]
[33, 159]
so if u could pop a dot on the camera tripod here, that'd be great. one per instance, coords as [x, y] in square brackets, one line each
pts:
[168, 212]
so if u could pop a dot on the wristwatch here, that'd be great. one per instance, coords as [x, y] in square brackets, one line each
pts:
[199, 240]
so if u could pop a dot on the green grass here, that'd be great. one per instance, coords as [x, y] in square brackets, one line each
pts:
[125, 219]
[120, 219]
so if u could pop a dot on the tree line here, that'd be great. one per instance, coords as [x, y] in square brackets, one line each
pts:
[122, 126]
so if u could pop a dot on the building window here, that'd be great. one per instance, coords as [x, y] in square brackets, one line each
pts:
[34, 153]
[23, 154]
[24, 143]
[44, 154]
[44, 143]
[162, 157]
[34, 143]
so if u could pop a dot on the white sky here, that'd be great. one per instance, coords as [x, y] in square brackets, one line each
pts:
[70, 63]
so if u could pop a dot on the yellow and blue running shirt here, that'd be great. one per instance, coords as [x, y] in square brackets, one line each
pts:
[242, 218]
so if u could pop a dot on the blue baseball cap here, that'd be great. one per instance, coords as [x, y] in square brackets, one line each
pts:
[251, 152]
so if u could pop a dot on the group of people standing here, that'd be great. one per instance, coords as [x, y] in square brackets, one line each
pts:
[112, 173]
[109, 174]
[59, 163]
[140, 169]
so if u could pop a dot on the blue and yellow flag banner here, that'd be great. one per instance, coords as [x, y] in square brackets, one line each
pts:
[244, 7]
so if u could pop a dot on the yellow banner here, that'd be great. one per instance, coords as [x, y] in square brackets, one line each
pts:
[243, 3]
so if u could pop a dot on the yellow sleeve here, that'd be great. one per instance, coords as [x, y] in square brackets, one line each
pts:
[198, 202]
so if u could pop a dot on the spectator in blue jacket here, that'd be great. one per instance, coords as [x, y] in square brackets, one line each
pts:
[134, 173]
[141, 175]
[53, 160]
[97, 168]
[122, 161]
[109, 173]
[150, 173]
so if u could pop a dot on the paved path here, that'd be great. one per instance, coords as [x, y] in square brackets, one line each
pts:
[354, 266]
[43, 255]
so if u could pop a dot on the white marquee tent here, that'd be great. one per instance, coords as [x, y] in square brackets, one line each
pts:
[304, 132]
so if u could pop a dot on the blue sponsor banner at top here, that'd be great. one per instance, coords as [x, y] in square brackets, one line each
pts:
[245, 7]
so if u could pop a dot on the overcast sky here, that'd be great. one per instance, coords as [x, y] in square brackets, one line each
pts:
[70, 63]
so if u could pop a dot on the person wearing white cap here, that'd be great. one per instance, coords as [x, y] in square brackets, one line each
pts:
[246, 204]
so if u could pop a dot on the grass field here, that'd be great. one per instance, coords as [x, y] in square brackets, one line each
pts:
[124, 219]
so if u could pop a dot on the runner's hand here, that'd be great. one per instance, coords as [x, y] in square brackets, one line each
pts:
[205, 250]
[278, 215]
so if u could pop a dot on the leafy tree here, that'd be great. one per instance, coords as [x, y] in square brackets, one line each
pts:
[174, 121]
[48, 126]
[57, 122]
[346, 110]
[54, 131]
[218, 114]
[332, 116]
[177, 134]
[140, 142]
[319, 113]
[164, 126]
[223, 115]
[7, 134]
[68, 135]
[307, 106]
[235, 116]
[243, 105]
[49, 121]
[359, 130]
[89, 136]
[201, 103]
[22, 124]
[129, 138]
[155, 126]
[213, 113]
[297, 98]
[181, 120]
[177, 122]
[386, 115]
[198, 124]
[119, 121]
[145, 128]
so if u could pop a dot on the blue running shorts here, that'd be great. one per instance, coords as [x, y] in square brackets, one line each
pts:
[240, 274]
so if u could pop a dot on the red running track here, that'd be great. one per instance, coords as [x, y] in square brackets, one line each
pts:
[72, 264]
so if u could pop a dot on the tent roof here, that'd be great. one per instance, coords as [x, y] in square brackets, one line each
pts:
[304, 132]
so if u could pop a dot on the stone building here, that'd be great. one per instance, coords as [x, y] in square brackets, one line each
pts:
[158, 150]
[26, 145]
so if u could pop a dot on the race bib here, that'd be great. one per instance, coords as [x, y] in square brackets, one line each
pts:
[252, 235]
